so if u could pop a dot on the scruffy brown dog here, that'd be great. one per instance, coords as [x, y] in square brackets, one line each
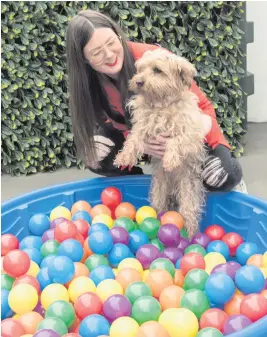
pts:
[163, 102]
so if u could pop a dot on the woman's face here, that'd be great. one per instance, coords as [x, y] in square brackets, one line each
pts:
[104, 51]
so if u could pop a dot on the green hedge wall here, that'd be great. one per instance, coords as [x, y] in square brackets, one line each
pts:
[36, 123]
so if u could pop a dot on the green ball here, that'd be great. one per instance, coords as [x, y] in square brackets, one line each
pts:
[146, 309]
[126, 223]
[63, 310]
[49, 247]
[183, 233]
[53, 323]
[157, 244]
[209, 332]
[195, 279]
[150, 226]
[6, 282]
[163, 263]
[137, 290]
[196, 301]
[195, 248]
[96, 260]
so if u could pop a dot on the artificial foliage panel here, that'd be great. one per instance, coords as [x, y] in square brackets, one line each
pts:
[36, 123]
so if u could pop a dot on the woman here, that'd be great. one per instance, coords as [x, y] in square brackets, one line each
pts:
[100, 65]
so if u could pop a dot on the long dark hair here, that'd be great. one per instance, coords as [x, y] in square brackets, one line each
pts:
[88, 101]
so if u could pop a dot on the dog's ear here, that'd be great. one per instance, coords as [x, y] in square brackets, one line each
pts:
[184, 69]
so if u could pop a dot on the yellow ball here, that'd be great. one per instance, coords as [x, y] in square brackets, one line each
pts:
[264, 271]
[80, 285]
[145, 212]
[28, 335]
[130, 262]
[22, 298]
[103, 218]
[17, 316]
[107, 288]
[179, 322]
[212, 260]
[33, 270]
[145, 275]
[124, 326]
[115, 271]
[52, 293]
[60, 212]
[265, 260]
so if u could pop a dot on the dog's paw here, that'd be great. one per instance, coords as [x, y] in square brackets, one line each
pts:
[168, 167]
[124, 159]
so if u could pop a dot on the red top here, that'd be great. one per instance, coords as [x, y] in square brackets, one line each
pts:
[213, 138]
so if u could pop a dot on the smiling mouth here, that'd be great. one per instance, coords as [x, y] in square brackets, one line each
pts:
[112, 64]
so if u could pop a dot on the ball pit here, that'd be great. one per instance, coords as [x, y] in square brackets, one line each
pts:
[87, 269]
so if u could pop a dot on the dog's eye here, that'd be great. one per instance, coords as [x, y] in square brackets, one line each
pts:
[157, 70]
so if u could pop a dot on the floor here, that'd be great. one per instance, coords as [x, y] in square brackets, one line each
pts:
[254, 163]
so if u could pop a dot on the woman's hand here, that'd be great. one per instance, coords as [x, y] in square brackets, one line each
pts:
[156, 147]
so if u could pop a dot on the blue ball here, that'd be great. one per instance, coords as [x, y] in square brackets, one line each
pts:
[98, 227]
[82, 215]
[94, 326]
[61, 270]
[118, 253]
[177, 264]
[47, 261]
[5, 308]
[245, 251]
[31, 241]
[219, 288]
[34, 255]
[100, 242]
[72, 249]
[43, 278]
[39, 223]
[101, 273]
[219, 246]
[249, 279]
[137, 239]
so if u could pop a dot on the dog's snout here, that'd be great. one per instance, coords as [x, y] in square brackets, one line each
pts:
[139, 83]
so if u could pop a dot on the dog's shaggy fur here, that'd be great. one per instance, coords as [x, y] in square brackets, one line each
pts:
[163, 102]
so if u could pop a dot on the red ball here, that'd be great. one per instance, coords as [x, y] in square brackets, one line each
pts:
[82, 227]
[8, 242]
[65, 230]
[111, 197]
[254, 306]
[233, 241]
[213, 318]
[87, 304]
[29, 280]
[215, 232]
[16, 263]
[192, 261]
[11, 328]
[71, 334]
[80, 238]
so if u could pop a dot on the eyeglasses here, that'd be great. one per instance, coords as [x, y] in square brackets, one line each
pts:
[98, 57]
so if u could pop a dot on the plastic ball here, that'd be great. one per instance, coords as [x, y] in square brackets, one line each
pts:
[150, 226]
[124, 326]
[95, 260]
[31, 241]
[8, 242]
[34, 255]
[254, 306]
[11, 328]
[50, 247]
[43, 278]
[192, 261]
[33, 270]
[125, 223]
[152, 329]
[107, 288]
[245, 251]
[101, 273]
[233, 241]
[28, 279]
[225, 268]
[87, 304]
[6, 282]
[174, 218]
[146, 309]
[169, 235]
[22, 298]
[265, 259]
[215, 232]
[100, 242]
[147, 254]
[213, 318]
[155, 242]
[119, 235]
[52, 293]
[145, 212]
[82, 215]
[30, 321]
[81, 205]
[163, 264]
[201, 239]
[249, 279]
[137, 239]
[264, 293]
[53, 323]
[118, 253]
[46, 333]
[209, 332]
[172, 253]
[61, 270]
[60, 212]
[79, 286]
[136, 290]
[219, 288]
[103, 218]
[5, 308]
[236, 323]
[125, 209]
[179, 322]
[196, 279]
[39, 309]
[195, 248]
[131, 263]
[158, 280]
[65, 230]
[232, 307]
[170, 297]
[56, 222]
[100, 209]
[183, 233]
[116, 306]
[39, 223]
[62, 310]
[82, 227]
[255, 260]
[16, 263]
[212, 260]
[94, 326]
[72, 249]
[196, 301]
[219, 247]
[127, 276]
[178, 278]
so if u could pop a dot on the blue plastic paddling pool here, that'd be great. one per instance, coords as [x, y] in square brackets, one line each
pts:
[234, 211]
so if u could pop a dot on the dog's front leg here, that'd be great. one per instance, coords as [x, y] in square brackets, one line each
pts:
[172, 156]
[159, 193]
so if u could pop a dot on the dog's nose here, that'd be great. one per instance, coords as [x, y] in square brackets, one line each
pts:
[139, 83]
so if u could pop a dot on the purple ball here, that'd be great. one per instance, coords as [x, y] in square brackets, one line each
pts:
[235, 323]
[48, 235]
[46, 333]
[172, 253]
[234, 265]
[201, 239]
[265, 285]
[116, 306]
[160, 214]
[224, 268]
[56, 222]
[169, 235]
[183, 244]
[120, 235]
[147, 254]
[39, 309]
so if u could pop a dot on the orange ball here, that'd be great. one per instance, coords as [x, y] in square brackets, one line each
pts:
[80, 270]
[86, 248]
[125, 209]
[127, 276]
[152, 328]
[256, 260]
[178, 278]
[174, 218]
[2, 268]
[233, 306]
[264, 293]
[157, 280]
[30, 321]
[170, 297]
[81, 205]
[100, 209]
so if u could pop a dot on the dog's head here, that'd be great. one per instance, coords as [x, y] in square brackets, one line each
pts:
[160, 73]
